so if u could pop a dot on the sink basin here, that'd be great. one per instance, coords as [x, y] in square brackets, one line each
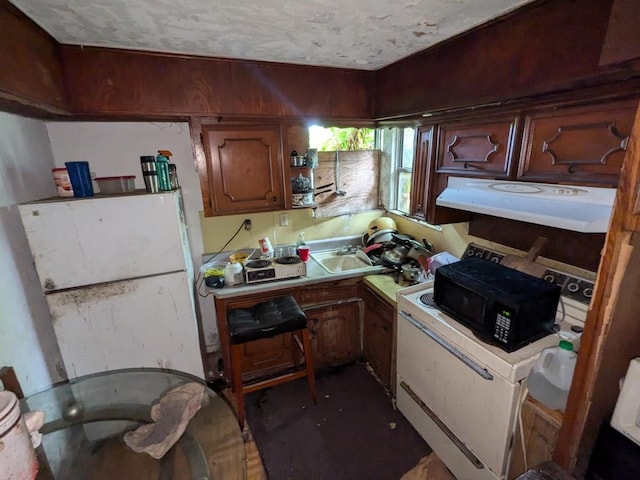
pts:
[334, 263]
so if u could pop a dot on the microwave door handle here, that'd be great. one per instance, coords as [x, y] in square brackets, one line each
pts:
[483, 372]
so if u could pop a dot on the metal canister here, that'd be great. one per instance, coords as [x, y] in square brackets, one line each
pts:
[150, 173]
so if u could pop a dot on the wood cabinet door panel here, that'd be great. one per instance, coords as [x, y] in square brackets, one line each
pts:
[582, 146]
[478, 148]
[378, 334]
[267, 354]
[245, 168]
[335, 334]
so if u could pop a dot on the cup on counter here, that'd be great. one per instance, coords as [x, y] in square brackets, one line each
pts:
[303, 251]
[80, 177]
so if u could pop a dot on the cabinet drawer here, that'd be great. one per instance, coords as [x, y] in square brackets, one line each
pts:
[325, 292]
[581, 146]
[247, 301]
[480, 148]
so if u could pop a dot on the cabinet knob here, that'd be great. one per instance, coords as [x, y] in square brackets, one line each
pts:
[471, 165]
[274, 199]
[572, 169]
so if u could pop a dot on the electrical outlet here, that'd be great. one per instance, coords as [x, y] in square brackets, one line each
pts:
[247, 224]
[284, 220]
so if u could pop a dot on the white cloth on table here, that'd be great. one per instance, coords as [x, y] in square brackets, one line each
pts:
[171, 415]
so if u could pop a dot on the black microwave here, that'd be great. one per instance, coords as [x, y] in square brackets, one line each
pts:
[500, 305]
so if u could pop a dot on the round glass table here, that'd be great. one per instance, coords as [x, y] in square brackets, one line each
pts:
[86, 419]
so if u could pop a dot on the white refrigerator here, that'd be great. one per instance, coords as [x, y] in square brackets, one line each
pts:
[117, 276]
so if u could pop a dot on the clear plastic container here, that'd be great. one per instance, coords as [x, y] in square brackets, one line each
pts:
[550, 378]
[110, 185]
[232, 274]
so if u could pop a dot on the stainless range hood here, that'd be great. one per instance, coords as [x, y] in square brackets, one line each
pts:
[577, 208]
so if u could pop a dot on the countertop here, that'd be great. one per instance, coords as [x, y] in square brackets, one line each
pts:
[384, 286]
[315, 274]
[381, 282]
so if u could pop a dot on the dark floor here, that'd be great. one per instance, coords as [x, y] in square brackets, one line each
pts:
[352, 433]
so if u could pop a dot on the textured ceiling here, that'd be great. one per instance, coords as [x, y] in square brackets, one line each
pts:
[362, 34]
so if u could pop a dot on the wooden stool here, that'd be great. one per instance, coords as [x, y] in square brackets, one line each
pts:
[264, 320]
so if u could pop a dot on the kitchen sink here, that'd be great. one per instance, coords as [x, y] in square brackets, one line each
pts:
[333, 262]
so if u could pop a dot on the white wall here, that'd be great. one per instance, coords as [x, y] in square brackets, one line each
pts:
[27, 341]
[114, 148]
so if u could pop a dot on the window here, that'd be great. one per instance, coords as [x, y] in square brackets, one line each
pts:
[397, 145]
[335, 138]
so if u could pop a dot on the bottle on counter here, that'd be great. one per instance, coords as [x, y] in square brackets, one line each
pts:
[550, 378]
[162, 165]
[300, 242]
[173, 176]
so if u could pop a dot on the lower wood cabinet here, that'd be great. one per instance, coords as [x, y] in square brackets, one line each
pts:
[347, 319]
[335, 333]
[378, 334]
[334, 310]
[261, 357]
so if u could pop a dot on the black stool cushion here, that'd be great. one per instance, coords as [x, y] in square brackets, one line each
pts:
[266, 319]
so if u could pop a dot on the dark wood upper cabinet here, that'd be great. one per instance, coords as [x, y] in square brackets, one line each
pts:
[583, 145]
[243, 168]
[542, 47]
[478, 148]
[132, 83]
[622, 42]
[420, 175]
[31, 80]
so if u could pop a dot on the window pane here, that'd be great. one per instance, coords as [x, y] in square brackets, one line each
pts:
[404, 191]
[334, 138]
[408, 140]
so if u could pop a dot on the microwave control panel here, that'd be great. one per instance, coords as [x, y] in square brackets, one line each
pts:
[578, 289]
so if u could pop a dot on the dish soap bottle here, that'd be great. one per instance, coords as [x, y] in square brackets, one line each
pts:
[550, 378]
[300, 242]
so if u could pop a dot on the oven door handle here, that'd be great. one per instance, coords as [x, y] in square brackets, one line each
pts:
[483, 372]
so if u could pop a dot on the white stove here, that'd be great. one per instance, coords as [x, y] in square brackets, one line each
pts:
[460, 393]
[510, 365]
[281, 268]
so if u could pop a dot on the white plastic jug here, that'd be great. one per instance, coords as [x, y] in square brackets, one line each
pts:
[550, 378]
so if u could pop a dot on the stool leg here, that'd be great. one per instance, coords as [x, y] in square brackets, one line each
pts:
[308, 360]
[236, 366]
[297, 351]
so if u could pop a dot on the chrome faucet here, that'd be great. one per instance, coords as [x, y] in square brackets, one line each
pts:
[347, 250]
